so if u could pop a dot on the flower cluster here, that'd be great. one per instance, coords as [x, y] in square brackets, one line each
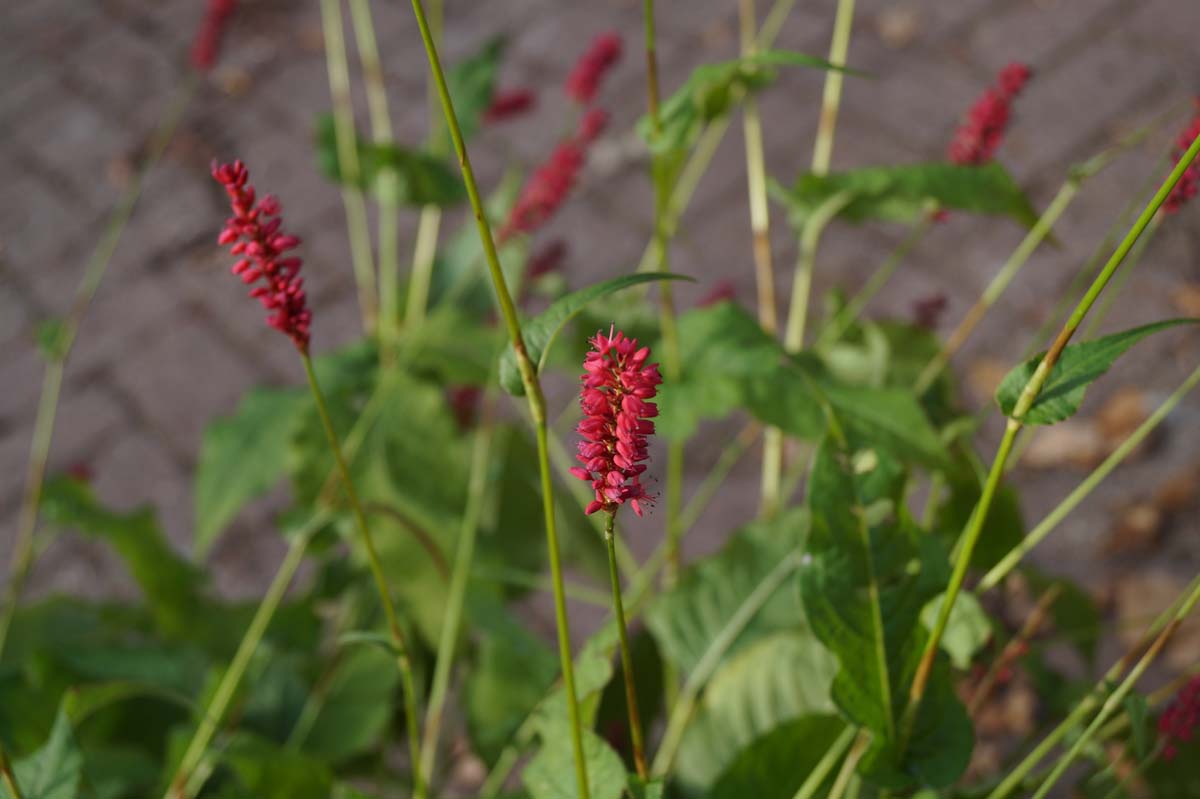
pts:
[208, 37]
[979, 136]
[1189, 184]
[617, 384]
[1180, 719]
[584, 80]
[506, 105]
[254, 233]
[551, 184]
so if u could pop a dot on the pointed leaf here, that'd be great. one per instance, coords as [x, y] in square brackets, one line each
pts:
[777, 763]
[242, 457]
[540, 331]
[909, 192]
[359, 703]
[1078, 367]
[52, 772]
[551, 773]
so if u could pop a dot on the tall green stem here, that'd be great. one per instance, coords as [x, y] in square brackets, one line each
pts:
[631, 700]
[812, 783]
[349, 168]
[403, 659]
[389, 180]
[463, 559]
[831, 97]
[430, 220]
[1024, 402]
[52, 379]
[188, 780]
[849, 764]
[1001, 570]
[533, 391]
[810, 237]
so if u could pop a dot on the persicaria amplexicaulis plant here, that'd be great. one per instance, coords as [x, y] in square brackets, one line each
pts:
[584, 80]
[980, 135]
[617, 387]
[509, 104]
[254, 233]
[1179, 720]
[1189, 184]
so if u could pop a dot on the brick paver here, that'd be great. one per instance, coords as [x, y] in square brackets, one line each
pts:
[83, 81]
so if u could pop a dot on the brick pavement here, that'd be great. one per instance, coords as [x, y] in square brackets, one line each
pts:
[82, 82]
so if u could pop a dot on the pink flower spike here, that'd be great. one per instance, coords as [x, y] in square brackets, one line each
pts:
[252, 232]
[977, 139]
[584, 80]
[212, 29]
[616, 382]
[1179, 720]
[1189, 183]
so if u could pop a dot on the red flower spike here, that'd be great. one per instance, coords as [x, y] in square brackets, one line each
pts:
[722, 291]
[592, 125]
[208, 36]
[617, 387]
[584, 80]
[977, 139]
[546, 190]
[1179, 720]
[254, 235]
[1189, 184]
[509, 105]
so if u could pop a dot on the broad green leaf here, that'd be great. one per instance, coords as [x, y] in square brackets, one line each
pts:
[1078, 367]
[360, 701]
[242, 457]
[711, 90]
[967, 630]
[54, 770]
[769, 683]
[868, 572]
[909, 192]
[551, 773]
[170, 584]
[685, 619]
[269, 771]
[655, 789]
[472, 83]
[120, 772]
[424, 179]
[539, 332]
[777, 763]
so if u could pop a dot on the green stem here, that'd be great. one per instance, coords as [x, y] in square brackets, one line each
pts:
[463, 559]
[1000, 283]
[349, 168]
[403, 659]
[831, 98]
[424, 252]
[816, 777]
[1089, 484]
[750, 606]
[7, 778]
[1024, 402]
[1113, 703]
[1122, 277]
[631, 700]
[849, 764]
[184, 784]
[810, 237]
[533, 390]
[389, 180]
[52, 380]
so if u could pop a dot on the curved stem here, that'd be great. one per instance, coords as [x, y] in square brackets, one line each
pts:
[631, 700]
[810, 237]
[533, 389]
[349, 168]
[849, 764]
[403, 659]
[812, 783]
[463, 557]
[183, 784]
[1001, 570]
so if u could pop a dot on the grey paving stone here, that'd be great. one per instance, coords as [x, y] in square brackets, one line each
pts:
[135, 471]
[111, 63]
[1041, 33]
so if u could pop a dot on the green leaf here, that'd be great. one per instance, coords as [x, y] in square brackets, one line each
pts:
[1139, 713]
[423, 179]
[170, 584]
[359, 703]
[685, 619]
[539, 332]
[868, 573]
[269, 771]
[910, 192]
[242, 457]
[967, 630]
[777, 763]
[52, 772]
[472, 84]
[1078, 367]
[769, 683]
[551, 773]
[711, 90]
[655, 789]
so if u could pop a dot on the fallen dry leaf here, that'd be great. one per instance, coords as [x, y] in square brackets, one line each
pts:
[1186, 299]
[1121, 414]
[898, 26]
[1075, 442]
[1179, 491]
[1137, 528]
